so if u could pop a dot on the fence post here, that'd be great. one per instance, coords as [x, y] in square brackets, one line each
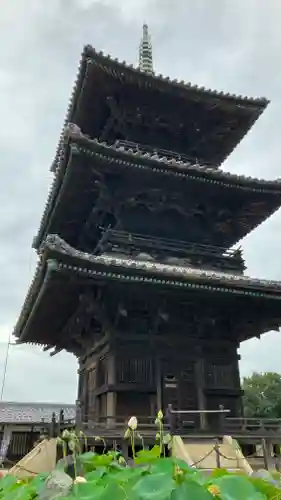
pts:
[217, 451]
[60, 422]
[62, 416]
[53, 432]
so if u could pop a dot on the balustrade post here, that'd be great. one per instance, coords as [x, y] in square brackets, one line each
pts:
[78, 415]
[221, 419]
[60, 422]
[53, 427]
[62, 417]
[170, 419]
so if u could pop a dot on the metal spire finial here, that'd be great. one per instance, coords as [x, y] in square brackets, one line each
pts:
[145, 54]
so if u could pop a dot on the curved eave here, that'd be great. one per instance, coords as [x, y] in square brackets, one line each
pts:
[159, 164]
[45, 285]
[61, 262]
[155, 277]
[149, 162]
[57, 249]
[118, 69]
[33, 293]
[108, 61]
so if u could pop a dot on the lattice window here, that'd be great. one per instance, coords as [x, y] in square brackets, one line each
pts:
[102, 373]
[219, 376]
[18, 445]
[92, 375]
[91, 387]
[135, 370]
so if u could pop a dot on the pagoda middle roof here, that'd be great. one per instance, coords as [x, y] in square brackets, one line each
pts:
[55, 247]
[73, 178]
[62, 271]
[99, 74]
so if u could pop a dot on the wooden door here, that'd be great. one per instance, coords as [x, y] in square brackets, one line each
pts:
[180, 390]
[170, 384]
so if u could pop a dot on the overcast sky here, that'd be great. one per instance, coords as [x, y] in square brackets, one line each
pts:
[231, 45]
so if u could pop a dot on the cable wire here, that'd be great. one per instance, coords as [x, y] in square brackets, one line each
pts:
[5, 368]
[9, 340]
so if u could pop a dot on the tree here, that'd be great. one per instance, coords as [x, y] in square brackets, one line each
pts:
[262, 395]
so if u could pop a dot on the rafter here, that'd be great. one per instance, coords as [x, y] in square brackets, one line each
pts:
[116, 122]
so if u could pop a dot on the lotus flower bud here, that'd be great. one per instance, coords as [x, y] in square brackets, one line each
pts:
[160, 415]
[133, 423]
[65, 434]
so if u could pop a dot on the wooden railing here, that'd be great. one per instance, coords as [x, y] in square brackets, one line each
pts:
[245, 424]
[145, 148]
[182, 421]
[223, 424]
[178, 421]
[163, 248]
[118, 423]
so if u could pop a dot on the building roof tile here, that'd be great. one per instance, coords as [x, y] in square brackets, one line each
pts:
[113, 65]
[56, 244]
[127, 158]
[59, 257]
[23, 413]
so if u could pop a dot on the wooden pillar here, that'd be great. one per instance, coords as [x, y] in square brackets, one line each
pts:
[159, 395]
[78, 414]
[6, 441]
[111, 396]
[268, 454]
[278, 458]
[83, 396]
[199, 377]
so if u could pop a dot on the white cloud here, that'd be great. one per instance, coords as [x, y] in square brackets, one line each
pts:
[129, 9]
[34, 376]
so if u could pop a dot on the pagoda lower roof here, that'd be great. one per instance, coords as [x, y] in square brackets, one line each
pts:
[99, 74]
[255, 199]
[63, 272]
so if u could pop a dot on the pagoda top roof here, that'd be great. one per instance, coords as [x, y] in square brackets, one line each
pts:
[57, 258]
[247, 109]
[155, 164]
[100, 57]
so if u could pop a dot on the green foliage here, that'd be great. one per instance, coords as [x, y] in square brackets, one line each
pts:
[262, 395]
[148, 456]
[156, 479]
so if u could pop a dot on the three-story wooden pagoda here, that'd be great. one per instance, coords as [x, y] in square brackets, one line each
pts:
[136, 276]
